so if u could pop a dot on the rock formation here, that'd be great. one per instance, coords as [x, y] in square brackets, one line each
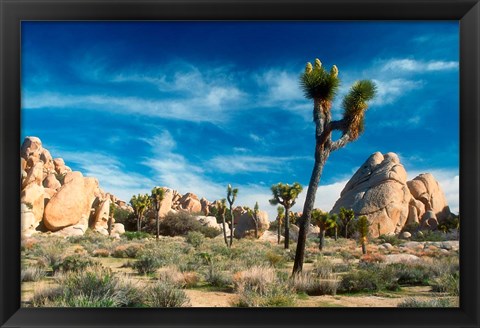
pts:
[54, 198]
[380, 190]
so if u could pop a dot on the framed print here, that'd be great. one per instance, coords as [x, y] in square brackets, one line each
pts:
[239, 163]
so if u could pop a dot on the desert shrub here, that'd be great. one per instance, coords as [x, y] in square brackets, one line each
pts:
[93, 287]
[50, 255]
[217, 278]
[147, 263]
[194, 238]
[372, 258]
[310, 283]
[415, 303]
[429, 235]
[191, 279]
[274, 259]
[178, 224]
[164, 294]
[210, 232]
[72, 263]
[127, 251]
[411, 274]
[172, 276]
[323, 267]
[447, 283]
[131, 235]
[101, 252]
[391, 239]
[32, 273]
[261, 287]
[369, 278]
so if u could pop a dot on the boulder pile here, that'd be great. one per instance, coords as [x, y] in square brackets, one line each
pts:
[380, 190]
[54, 198]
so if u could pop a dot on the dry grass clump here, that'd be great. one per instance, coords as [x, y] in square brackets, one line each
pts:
[130, 250]
[34, 273]
[312, 284]
[101, 252]
[165, 294]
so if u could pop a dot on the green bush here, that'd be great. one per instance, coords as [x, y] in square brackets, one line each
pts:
[391, 239]
[130, 235]
[72, 263]
[194, 238]
[165, 294]
[370, 278]
[181, 223]
[415, 303]
[216, 277]
[127, 251]
[147, 263]
[310, 283]
[447, 283]
[412, 275]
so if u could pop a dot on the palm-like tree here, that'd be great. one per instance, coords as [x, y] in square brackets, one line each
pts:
[285, 195]
[280, 216]
[222, 211]
[231, 196]
[346, 216]
[335, 224]
[325, 222]
[321, 86]
[140, 204]
[362, 226]
[157, 196]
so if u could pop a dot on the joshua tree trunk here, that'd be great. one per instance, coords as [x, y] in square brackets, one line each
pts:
[157, 220]
[279, 232]
[287, 230]
[307, 210]
[321, 244]
[256, 229]
[346, 230]
[138, 224]
[224, 229]
[336, 233]
[364, 246]
[232, 225]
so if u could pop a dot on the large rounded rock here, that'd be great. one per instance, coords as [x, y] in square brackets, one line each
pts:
[245, 223]
[378, 190]
[190, 203]
[429, 195]
[51, 182]
[31, 146]
[102, 212]
[34, 175]
[71, 204]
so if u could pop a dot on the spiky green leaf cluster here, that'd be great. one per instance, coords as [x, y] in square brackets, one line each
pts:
[355, 103]
[318, 83]
[157, 196]
[140, 203]
[284, 193]
[323, 219]
[231, 194]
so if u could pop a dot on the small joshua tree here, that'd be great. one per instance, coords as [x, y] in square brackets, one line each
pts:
[221, 212]
[254, 215]
[324, 221]
[285, 195]
[157, 197]
[110, 218]
[321, 86]
[346, 216]
[280, 217]
[335, 223]
[140, 204]
[231, 196]
[362, 226]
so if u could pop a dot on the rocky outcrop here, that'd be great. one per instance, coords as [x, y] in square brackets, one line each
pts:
[245, 225]
[380, 190]
[55, 198]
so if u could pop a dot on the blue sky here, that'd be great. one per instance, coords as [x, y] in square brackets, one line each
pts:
[197, 105]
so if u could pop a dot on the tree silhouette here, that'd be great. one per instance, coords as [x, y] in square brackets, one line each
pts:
[254, 215]
[285, 195]
[321, 86]
[346, 216]
[231, 196]
[111, 213]
[157, 197]
[140, 204]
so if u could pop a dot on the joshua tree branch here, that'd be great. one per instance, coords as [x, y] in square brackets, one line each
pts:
[345, 139]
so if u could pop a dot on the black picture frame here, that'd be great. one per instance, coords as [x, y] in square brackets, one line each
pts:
[467, 12]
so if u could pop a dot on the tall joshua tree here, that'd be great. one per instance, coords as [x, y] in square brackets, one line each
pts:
[321, 86]
[222, 211]
[157, 197]
[231, 196]
[285, 195]
[280, 216]
[140, 204]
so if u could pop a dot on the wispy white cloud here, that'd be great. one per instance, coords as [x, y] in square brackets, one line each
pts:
[389, 91]
[412, 65]
[246, 163]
